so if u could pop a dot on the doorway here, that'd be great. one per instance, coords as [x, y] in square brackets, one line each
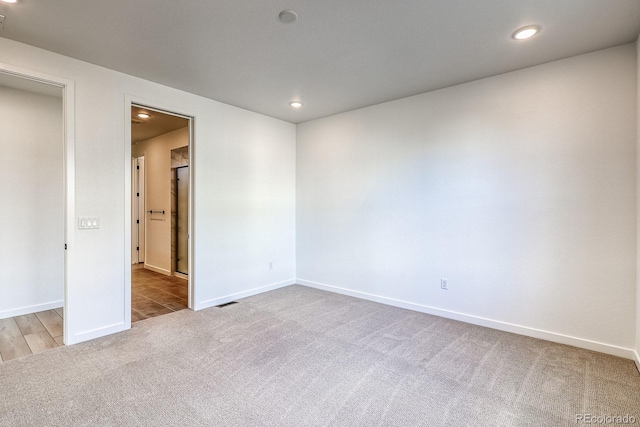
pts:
[160, 212]
[34, 183]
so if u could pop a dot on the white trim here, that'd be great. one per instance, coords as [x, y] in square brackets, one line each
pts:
[228, 298]
[96, 333]
[157, 269]
[5, 314]
[180, 275]
[627, 353]
[127, 211]
[637, 360]
[69, 165]
[191, 229]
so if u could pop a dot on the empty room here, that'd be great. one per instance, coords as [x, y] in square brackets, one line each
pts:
[418, 213]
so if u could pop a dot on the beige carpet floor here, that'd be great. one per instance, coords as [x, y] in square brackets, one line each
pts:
[303, 357]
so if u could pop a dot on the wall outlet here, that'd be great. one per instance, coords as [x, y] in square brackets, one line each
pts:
[444, 284]
[271, 265]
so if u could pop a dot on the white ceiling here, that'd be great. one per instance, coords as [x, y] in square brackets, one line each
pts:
[157, 124]
[339, 55]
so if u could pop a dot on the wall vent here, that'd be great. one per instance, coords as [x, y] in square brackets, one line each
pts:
[226, 304]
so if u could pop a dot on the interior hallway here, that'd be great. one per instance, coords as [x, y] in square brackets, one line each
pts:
[154, 294]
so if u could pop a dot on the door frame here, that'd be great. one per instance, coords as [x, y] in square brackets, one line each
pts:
[69, 172]
[177, 216]
[134, 101]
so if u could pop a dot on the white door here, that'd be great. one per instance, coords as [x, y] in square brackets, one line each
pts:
[137, 211]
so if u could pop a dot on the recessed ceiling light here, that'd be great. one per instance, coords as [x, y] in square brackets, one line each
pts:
[10, 1]
[288, 16]
[296, 104]
[144, 115]
[526, 32]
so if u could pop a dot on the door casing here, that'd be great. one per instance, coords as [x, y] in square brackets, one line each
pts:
[68, 111]
[132, 101]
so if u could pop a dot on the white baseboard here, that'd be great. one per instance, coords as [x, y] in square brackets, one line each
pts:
[180, 275]
[157, 269]
[637, 360]
[244, 294]
[5, 314]
[626, 353]
[95, 333]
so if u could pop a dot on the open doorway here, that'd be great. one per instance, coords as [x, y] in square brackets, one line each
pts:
[160, 209]
[32, 258]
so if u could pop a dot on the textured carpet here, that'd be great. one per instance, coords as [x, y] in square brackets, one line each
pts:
[303, 357]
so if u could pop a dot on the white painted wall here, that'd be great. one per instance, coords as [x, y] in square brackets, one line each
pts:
[520, 189]
[244, 166]
[246, 197]
[157, 158]
[31, 189]
[637, 347]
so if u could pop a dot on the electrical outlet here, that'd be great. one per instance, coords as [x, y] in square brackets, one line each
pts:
[444, 284]
[271, 265]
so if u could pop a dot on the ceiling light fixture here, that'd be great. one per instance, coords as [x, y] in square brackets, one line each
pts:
[10, 1]
[526, 32]
[296, 104]
[288, 16]
[144, 115]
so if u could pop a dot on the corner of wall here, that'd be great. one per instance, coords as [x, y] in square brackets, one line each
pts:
[637, 346]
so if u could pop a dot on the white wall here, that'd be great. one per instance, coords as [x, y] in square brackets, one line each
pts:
[520, 189]
[244, 165]
[637, 347]
[31, 188]
[158, 173]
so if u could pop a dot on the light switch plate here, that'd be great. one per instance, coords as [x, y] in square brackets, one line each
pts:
[2, 22]
[88, 222]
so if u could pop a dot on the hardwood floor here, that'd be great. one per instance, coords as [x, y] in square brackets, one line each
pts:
[29, 334]
[154, 294]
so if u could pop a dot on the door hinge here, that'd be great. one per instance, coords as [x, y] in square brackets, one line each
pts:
[137, 166]
[137, 221]
[65, 246]
[137, 194]
[137, 248]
